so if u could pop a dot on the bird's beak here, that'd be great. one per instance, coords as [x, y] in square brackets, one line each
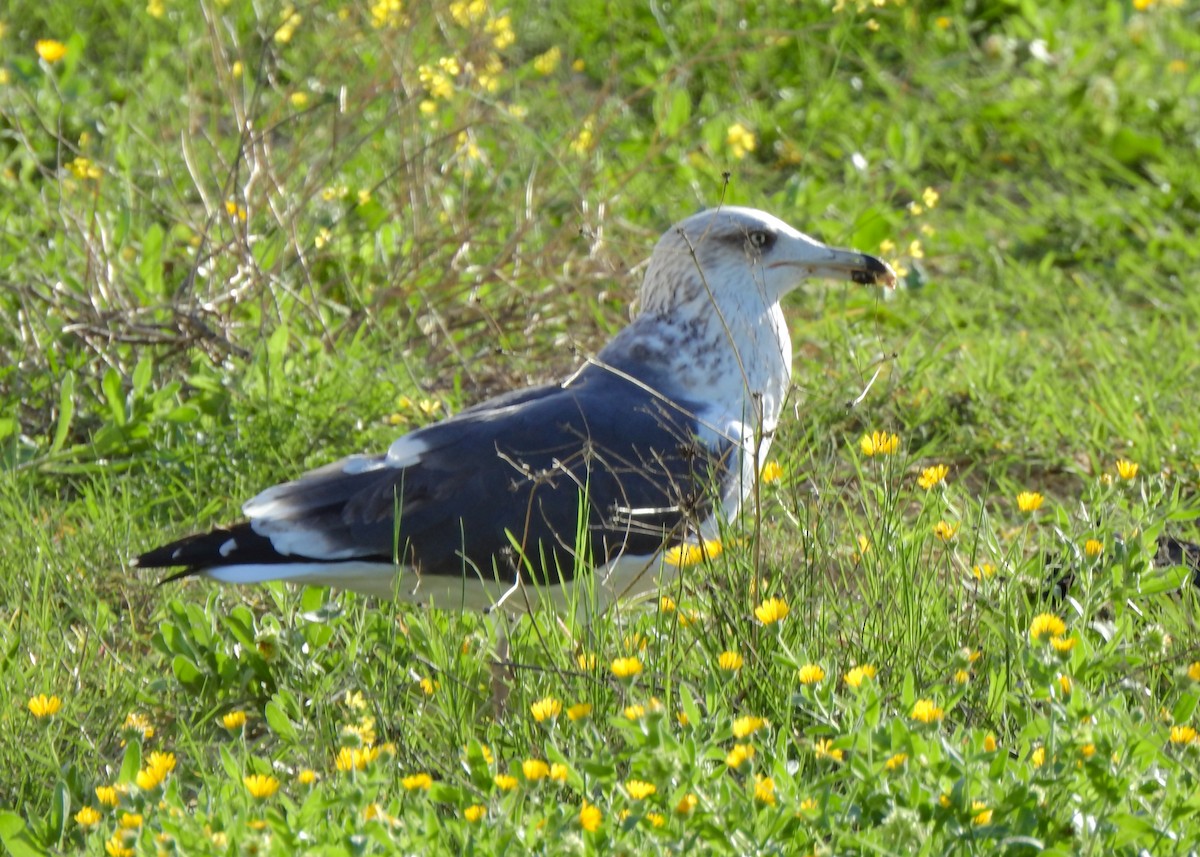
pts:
[835, 264]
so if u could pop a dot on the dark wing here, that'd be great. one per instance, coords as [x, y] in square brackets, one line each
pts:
[519, 484]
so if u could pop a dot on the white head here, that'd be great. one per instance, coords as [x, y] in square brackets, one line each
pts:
[753, 257]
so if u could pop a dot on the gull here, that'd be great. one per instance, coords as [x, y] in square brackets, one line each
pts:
[609, 477]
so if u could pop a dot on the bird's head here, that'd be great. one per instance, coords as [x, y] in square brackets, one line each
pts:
[737, 255]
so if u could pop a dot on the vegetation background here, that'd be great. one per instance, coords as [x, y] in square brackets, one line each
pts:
[239, 240]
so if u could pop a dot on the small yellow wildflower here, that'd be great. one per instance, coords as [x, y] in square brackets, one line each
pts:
[771, 472]
[299, 100]
[962, 677]
[811, 674]
[985, 571]
[156, 8]
[887, 246]
[989, 743]
[416, 781]
[916, 209]
[559, 772]
[1193, 671]
[626, 667]
[430, 686]
[1087, 751]
[501, 31]
[579, 710]
[590, 817]
[1182, 734]
[583, 143]
[927, 711]
[915, 250]
[1127, 469]
[980, 814]
[131, 820]
[1064, 683]
[1063, 645]
[115, 846]
[640, 789]
[291, 21]
[44, 706]
[666, 604]
[687, 804]
[306, 777]
[809, 804]
[82, 168]
[87, 817]
[1177, 67]
[879, 443]
[505, 782]
[474, 813]
[546, 63]
[683, 719]
[943, 22]
[764, 790]
[933, 476]
[634, 712]
[355, 758]
[824, 749]
[945, 531]
[771, 611]
[586, 661]
[730, 661]
[895, 761]
[687, 554]
[546, 708]
[1046, 625]
[656, 819]
[107, 795]
[930, 197]
[50, 50]
[261, 786]
[234, 720]
[855, 677]
[741, 140]
[1093, 548]
[1030, 501]
[747, 725]
[1038, 757]
[535, 769]
[739, 755]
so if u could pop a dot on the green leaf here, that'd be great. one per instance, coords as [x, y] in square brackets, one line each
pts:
[141, 377]
[1162, 580]
[15, 838]
[66, 411]
[279, 722]
[672, 109]
[1185, 707]
[151, 265]
[111, 385]
[132, 763]
[185, 671]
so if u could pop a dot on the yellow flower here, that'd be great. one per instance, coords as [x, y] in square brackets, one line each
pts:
[764, 790]
[855, 677]
[1093, 548]
[989, 743]
[927, 711]
[82, 168]
[474, 813]
[234, 720]
[980, 814]
[388, 14]
[87, 817]
[771, 472]
[747, 725]
[811, 674]
[50, 50]
[916, 209]
[640, 789]
[945, 531]
[505, 782]
[535, 769]
[1127, 469]
[155, 9]
[586, 661]
[416, 781]
[739, 755]
[44, 706]
[299, 100]
[930, 197]
[429, 686]
[962, 677]
[1064, 682]
[1182, 734]
[943, 22]
[261, 786]
[115, 846]
[501, 31]
[809, 804]
[933, 476]
[914, 250]
[1177, 67]
[559, 772]
[1030, 501]
[137, 722]
[666, 604]
[355, 758]
[730, 661]
[107, 795]
[656, 819]
[590, 817]
[879, 443]
[546, 708]
[583, 143]
[771, 611]
[157, 766]
[1063, 645]
[1046, 625]
[579, 710]
[895, 761]
[626, 667]
[306, 777]
[687, 804]
[1193, 671]
[824, 749]
[741, 140]
[1038, 757]
[1087, 751]
[986, 571]
[634, 712]
[546, 63]
[686, 555]
[131, 820]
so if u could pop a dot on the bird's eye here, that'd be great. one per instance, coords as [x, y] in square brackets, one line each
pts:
[760, 239]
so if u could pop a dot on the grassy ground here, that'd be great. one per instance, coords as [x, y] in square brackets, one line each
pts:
[238, 241]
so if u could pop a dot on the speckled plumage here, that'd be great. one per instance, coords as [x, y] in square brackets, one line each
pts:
[650, 444]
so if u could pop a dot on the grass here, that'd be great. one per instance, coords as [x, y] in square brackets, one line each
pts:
[238, 241]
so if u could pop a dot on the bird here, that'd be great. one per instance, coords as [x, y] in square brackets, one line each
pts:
[607, 477]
